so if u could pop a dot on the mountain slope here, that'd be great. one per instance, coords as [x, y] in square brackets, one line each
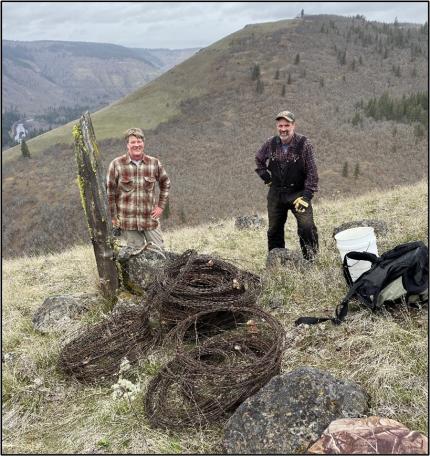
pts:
[205, 119]
[39, 75]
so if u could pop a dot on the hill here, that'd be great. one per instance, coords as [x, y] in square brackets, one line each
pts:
[42, 79]
[387, 354]
[205, 119]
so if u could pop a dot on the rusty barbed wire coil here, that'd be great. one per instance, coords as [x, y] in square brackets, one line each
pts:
[209, 381]
[195, 282]
[95, 354]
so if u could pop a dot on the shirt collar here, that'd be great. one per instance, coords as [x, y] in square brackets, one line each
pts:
[128, 159]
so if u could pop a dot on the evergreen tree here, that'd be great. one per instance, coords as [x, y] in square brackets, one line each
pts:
[283, 90]
[356, 170]
[276, 74]
[297, 59]
[345, 169]
[255, 72]
[24, 149]
[356, 119]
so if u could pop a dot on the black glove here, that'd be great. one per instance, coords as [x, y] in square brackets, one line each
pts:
[116, 231]
[267, 178]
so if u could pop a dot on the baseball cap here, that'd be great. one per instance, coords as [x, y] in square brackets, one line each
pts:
[138, 132]
[288, 115]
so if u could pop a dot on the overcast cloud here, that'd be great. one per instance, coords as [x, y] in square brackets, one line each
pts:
[174, 25]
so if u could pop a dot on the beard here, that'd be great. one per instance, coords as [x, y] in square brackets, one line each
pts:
[286, 137]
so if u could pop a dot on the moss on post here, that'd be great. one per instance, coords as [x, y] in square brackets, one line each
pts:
[92, 190]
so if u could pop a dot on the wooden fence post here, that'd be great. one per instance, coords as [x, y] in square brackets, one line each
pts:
[92, 186]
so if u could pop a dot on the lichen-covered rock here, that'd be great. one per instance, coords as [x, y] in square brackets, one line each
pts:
[291, 412]
[57, 312]
[379, 226]
[282, 257]
[246, 222]
[371, 435]
[139, 267]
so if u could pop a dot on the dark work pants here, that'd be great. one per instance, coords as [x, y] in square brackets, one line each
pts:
[278, 211]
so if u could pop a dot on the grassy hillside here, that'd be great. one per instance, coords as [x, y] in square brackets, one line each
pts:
[44, 412]
[205, 119]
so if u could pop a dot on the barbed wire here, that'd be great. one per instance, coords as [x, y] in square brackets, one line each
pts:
[207, 382]
[195, 282]
[95, 354]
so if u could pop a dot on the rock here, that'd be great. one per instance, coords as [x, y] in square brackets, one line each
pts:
[371, 435]
[379, 226]
[139, 267]
[291, 412]
[56, 312]
[282, 257]
[246, 222]
[276, 302]
[8, 357]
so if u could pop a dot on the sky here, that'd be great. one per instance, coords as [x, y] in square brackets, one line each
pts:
[174, 25]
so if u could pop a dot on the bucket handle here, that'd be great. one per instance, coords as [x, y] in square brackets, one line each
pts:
[351, 265]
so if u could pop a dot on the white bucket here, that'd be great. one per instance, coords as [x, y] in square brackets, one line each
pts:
[360, 239]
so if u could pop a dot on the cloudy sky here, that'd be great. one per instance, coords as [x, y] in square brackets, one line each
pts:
[174, 25]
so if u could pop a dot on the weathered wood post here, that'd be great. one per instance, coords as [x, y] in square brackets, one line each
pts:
[92, 186]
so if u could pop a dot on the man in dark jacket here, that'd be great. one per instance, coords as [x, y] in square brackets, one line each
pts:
[287, 166]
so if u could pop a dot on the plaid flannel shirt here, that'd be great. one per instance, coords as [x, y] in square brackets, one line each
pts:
[131, 191]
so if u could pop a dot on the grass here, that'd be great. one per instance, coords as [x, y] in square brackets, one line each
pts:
[387, 354]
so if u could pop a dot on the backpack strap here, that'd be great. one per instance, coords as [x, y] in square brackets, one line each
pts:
[340, 312]
[342, 308]
[366, 256]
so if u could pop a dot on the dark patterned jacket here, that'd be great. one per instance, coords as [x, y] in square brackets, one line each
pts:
[295, 171]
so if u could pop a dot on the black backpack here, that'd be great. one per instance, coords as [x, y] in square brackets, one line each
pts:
[399, 274]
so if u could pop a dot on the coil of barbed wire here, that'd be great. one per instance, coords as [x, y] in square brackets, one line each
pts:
[207, 382]
[95, 354]
[195, 282]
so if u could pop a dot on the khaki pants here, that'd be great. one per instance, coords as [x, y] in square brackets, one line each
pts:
[138, 239]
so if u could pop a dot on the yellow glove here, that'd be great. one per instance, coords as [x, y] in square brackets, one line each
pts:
[300, 204]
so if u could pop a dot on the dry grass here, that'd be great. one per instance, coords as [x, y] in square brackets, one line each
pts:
[387, 354]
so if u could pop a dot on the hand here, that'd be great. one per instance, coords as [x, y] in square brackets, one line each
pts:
[156, 212]
[300, 204]
[267, 178]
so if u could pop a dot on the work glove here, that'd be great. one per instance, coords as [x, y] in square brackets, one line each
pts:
[300, 204]
[267, 178]
[116, 231]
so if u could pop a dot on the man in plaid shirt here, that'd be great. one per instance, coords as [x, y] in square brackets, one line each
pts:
[286, 164]
[131, 193]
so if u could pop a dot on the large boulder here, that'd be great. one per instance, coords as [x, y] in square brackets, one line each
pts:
[291, 412]
[58, 312]
[139, 267]
[246, 222]
[283, 257]
[379, 226]
[371, 435]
